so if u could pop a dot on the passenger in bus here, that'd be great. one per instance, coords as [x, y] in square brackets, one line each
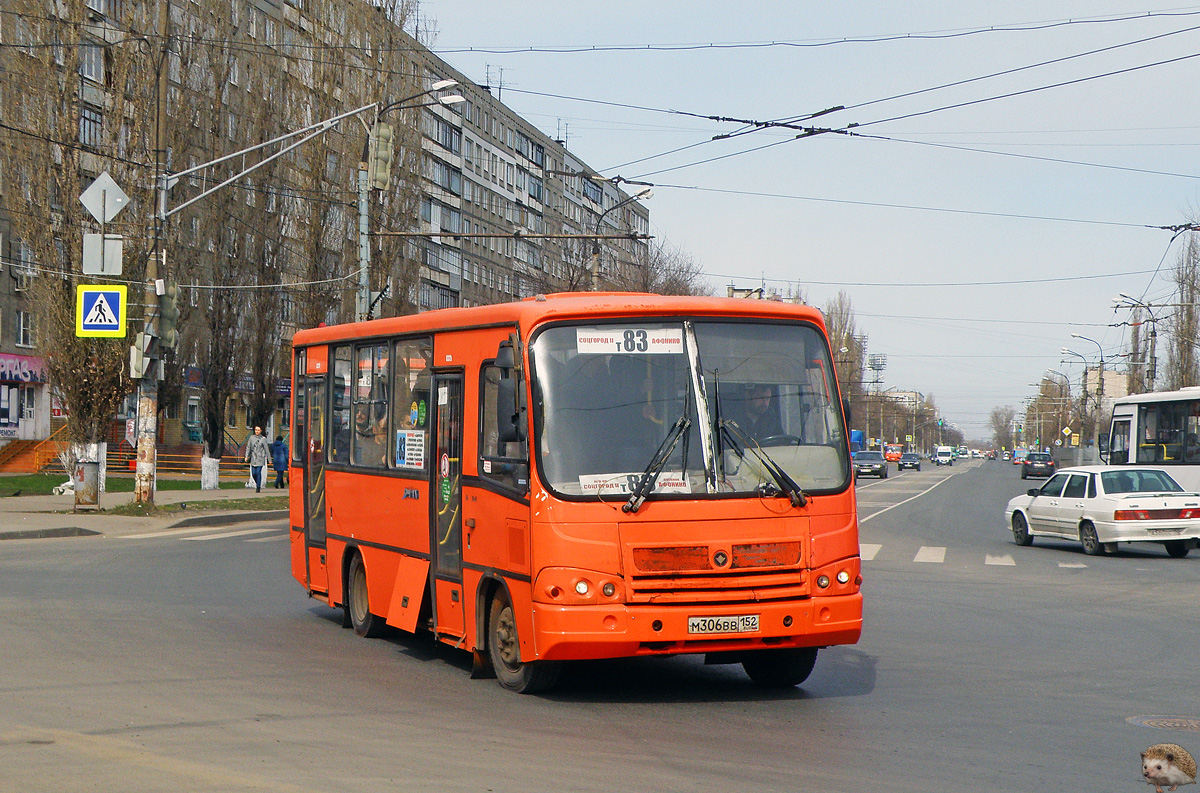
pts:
[1191, 451]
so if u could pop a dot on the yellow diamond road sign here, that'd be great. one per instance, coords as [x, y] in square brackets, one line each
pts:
[100, 311]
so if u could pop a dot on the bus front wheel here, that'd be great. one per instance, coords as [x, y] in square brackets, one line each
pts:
[504, 648]
[357, 606]
[780, 668]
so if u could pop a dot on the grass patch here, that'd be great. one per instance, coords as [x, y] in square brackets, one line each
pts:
[133, 509]
[42, 484]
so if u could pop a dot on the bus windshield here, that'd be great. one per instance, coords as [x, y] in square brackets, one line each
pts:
[715, 403]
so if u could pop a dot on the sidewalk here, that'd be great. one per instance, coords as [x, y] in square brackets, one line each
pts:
[30, 517]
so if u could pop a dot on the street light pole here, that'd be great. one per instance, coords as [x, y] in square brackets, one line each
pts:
[594, 263]
[363, 304]
[1099, 388]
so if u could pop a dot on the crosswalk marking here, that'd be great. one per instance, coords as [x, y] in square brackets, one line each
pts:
[867, 551]
[228, 534]
[934, 554]
[1002, 559]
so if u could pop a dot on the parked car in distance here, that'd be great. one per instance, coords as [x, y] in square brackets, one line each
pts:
[909, 460]
[1102, 505]
[943, 455]
[1037, 464]
[869, 463]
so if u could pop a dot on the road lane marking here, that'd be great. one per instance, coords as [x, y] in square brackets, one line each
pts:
[276, 538]
[1072, 565]
[905, 501]
[933, 554]
[867, 550]
[224, 535]
[1002, 559]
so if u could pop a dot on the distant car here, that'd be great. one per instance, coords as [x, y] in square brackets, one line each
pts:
[943, 455]
[867, 463]
[1037, 464]
[1005, 456]
[1102, 505]
[909, 460]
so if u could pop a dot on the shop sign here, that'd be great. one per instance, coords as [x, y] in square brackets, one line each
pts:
[21, 369]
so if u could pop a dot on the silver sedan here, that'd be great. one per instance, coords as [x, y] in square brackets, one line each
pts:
[1102, 505]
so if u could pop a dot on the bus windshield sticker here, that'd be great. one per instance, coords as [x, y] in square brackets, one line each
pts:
[410, 449]
[620, 484]
[602, 341]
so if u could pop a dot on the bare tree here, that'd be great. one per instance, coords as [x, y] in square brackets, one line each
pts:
[664, 269]
[849, 349]
[1183, 369]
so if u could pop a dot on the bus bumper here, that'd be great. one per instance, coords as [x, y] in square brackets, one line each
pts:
[617, 631]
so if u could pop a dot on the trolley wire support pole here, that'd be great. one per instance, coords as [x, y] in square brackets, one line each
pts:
[145, 470]
[363, 298]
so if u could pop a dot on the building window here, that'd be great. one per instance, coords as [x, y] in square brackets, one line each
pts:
[24, 329]
[91, 123]
[91, 61]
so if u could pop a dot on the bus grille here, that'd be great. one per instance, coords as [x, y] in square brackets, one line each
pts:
[687, 574]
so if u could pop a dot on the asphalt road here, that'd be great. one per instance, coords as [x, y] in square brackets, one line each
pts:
[192, 661]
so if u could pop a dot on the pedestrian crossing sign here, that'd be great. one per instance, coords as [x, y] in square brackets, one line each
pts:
[100, 311]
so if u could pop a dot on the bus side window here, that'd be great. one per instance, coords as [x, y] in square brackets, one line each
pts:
[507, 466]
[339, 415]
[1118, 451]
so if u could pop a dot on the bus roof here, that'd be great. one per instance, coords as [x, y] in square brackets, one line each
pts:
[564, 305]
[1191, 392]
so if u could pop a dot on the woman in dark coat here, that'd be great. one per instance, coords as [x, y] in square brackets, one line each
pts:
[279, 458]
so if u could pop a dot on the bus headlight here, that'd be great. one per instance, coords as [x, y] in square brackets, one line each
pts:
[567, 586]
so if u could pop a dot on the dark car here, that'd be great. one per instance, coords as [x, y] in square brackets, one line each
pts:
[909, 460]
[1037, 464]
[870, 464]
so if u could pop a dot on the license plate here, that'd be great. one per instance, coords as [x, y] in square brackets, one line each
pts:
[1165, 531]
[744, 623]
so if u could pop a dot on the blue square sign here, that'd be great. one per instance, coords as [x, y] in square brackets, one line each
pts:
[100, 311]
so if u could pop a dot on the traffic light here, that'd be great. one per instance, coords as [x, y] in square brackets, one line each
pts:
[168, 317]
[139, 361]
[379, 155]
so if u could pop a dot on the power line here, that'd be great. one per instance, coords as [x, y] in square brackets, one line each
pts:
[929, 35]
[885, 205]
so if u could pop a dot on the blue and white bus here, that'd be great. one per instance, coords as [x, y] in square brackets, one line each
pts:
[1160, 430]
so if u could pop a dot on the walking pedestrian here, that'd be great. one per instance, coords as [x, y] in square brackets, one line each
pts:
[258, 451]
[279, 458]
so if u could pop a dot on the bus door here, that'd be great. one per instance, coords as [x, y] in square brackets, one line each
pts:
[313, 464]
[446, 505]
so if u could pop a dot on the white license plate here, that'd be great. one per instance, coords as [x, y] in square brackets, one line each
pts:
[1164, 531]
[744, 623]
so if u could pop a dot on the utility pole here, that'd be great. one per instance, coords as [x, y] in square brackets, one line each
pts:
[147, 414]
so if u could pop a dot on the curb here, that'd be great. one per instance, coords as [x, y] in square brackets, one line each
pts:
[228, 518]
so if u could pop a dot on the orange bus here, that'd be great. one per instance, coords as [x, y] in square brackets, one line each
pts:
[892, 452]
[581, 476]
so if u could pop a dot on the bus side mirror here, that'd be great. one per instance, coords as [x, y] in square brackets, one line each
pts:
[510, 401]
[1102, 441]
[510, 412]
[846, 411]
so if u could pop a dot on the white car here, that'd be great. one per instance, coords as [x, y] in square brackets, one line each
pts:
[1102, 505]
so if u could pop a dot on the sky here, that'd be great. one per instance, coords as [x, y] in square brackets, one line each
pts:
[974, 226]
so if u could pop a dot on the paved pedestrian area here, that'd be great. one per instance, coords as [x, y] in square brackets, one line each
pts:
[28, 517]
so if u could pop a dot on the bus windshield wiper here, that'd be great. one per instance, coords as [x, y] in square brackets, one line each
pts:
[645, 483]
[785, 483]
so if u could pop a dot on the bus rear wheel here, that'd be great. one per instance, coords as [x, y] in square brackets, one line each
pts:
[504, 648]
[357, 606]
[780, 668]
